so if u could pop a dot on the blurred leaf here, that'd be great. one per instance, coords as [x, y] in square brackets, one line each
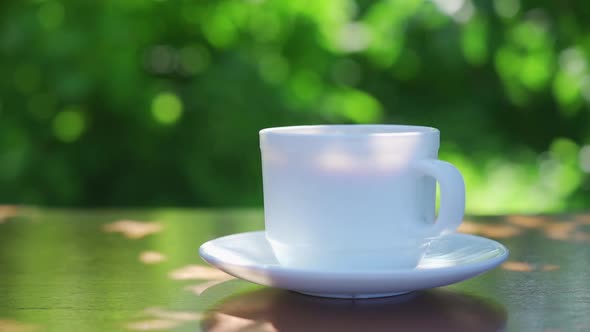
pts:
[171, 94]
[475, 40]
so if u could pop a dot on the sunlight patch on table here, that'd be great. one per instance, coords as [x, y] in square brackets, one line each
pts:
[550, 267]
[184, 316]
[7, 211]
[528, 267]
[153, 325]
[571, 230]
[198, 272]
[560, 230]
[151, 257]
[499, 231]
[517, 266]
[468, 227]
[133, 229]
[583, 219]
[8, 325]
[527, 221]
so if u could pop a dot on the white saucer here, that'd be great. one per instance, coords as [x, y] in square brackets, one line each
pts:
[450, 259]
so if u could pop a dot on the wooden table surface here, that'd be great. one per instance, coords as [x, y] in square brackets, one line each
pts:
[139, 270]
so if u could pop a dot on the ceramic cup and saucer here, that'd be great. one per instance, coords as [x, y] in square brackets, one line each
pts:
[350, 213]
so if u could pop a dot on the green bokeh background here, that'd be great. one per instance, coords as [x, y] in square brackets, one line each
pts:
[159, 103]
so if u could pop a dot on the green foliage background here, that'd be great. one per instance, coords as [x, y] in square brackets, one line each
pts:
[147, 102]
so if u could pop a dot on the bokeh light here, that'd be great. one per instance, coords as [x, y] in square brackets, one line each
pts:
[585, 158]
[51, 14]
[91, 86]
[273, 68]
[506, 8]
[194, 59]
[162, 59]
[69, 124]
[166, 108]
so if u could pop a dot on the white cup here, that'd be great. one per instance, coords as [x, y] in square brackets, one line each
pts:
[356, 197]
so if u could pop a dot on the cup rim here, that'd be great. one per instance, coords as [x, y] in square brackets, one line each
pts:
[349, 130]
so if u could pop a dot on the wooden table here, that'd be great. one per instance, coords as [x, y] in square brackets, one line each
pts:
[113, 270]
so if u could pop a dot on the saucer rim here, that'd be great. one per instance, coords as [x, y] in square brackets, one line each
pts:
[484, 265]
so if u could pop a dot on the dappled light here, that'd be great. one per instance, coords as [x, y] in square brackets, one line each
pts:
[103, 281]
[151, 257]
[153, 325]
[560, 230]
[198, 272]
[130, 135]
[528, 221]
[468, 227]
[334, 161]
[581, 237]
[7, 212]
[528, 267]
[583, 219]
[550, 267]
[575, 230]
[517, 266]
[499, 231]
[184, 316]
[9, 325]
[133, 229]
[572, 229]
[496, 230]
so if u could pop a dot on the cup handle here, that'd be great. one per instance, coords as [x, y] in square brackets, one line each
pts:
[452, 194]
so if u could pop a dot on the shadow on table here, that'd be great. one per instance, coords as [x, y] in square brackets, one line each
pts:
[278, 310]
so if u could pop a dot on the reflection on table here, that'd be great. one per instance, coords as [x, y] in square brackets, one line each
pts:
[278, 310]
